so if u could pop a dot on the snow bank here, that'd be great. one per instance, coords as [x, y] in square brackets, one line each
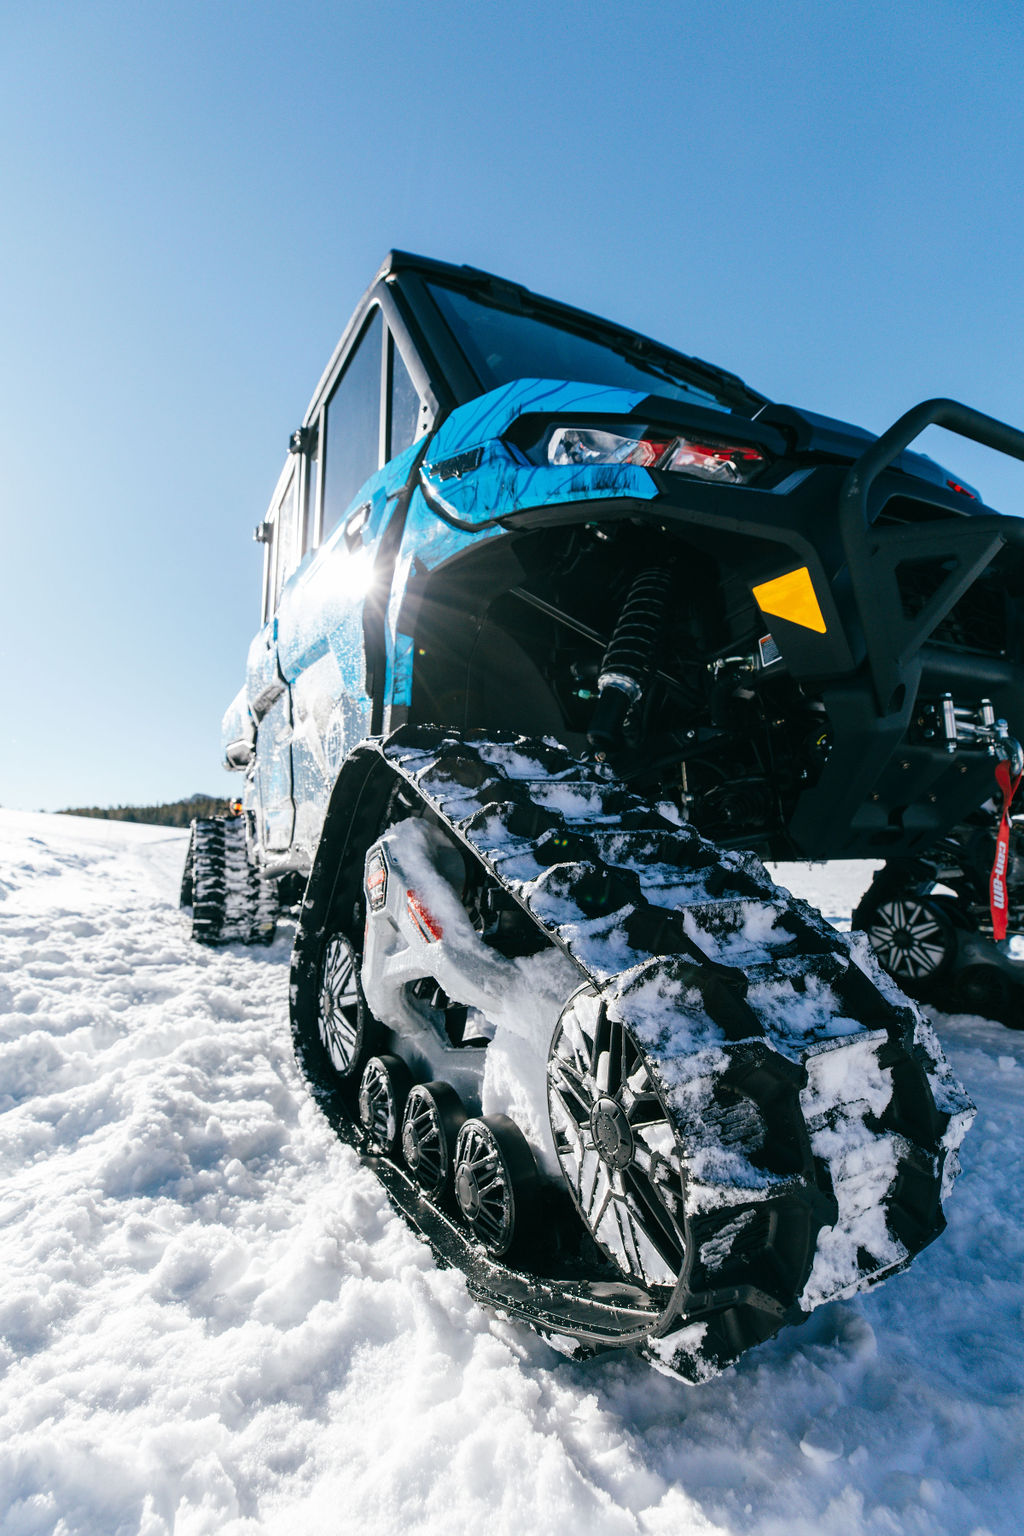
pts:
[212, 1323]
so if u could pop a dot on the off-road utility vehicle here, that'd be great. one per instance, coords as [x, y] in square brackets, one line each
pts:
[559, 625]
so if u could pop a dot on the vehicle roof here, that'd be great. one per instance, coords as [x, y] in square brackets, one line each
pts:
[498, 287]
[403, 274]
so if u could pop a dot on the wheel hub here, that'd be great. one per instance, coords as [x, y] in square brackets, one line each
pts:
[411, 1145]
[339, 1015]
[612, 1135]
[467, 1191]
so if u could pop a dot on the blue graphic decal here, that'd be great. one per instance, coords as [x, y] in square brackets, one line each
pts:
[502, 484]
[499, 481]
[492, 414]
[398, 682]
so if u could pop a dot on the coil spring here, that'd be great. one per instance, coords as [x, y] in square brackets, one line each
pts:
[630, 652]
[629, 659]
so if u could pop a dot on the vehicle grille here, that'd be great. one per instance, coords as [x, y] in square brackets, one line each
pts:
[979, 622]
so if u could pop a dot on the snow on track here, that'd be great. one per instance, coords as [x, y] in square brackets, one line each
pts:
[212, 1322]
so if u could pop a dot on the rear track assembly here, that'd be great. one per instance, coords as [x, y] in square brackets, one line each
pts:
[224, 897]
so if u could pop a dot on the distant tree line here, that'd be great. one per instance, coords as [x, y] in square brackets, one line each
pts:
[177, 814]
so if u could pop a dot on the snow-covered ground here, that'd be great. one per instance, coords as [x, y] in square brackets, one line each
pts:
[212, 1324]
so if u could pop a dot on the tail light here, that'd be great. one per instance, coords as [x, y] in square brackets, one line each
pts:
[723, 463]
[729, 466]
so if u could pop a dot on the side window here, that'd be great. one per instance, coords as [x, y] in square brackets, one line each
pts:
[285, 547]
[352, 426]
[403, 405]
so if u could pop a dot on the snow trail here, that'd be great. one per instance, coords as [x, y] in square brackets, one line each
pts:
[211, 1322]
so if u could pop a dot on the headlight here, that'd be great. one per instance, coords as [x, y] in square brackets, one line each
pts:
[721, 462]
[588, 445]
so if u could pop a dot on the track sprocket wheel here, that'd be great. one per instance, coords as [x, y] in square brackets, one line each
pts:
[383, 1090]
[613, 1136]
[913, 939]
[342, 1017]
[434, 1115]
[495, 1181]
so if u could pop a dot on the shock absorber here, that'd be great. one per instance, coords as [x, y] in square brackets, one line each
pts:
[628, 662]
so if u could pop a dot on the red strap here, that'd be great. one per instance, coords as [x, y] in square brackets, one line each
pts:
[997, 880]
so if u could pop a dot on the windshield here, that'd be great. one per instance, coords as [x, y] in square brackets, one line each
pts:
[502, 345]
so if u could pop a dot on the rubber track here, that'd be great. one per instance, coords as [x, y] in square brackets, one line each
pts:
[230, 902]
[756, 1018]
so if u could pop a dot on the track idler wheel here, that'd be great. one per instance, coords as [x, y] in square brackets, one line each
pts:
[434, 1116]
[343, 1020]
[495, 1182]
[383, 1090]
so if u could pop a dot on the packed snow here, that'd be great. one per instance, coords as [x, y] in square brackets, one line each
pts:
[212, 1322]
[515, 1003]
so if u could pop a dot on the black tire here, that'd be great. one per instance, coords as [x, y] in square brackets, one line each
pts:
[984, 990]
[495, 1183]
[383, 1090]
[434, 1116]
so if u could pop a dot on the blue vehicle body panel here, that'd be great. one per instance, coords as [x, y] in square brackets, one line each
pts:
[492, 414]
[321, 654]
[452, 490]
[502, 481]
[314, 645]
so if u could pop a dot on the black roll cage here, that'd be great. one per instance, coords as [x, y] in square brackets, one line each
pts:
[873, 554]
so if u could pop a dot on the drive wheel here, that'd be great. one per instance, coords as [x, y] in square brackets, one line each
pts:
[913, 939]
[614, 1139]
[433, 1117]
[343, 1020]
[383, 1090]
[495, 1181]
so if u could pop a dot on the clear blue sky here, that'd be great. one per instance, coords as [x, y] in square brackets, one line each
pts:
[826, 198]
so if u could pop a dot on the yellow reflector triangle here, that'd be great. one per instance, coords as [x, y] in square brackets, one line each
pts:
[791, 597]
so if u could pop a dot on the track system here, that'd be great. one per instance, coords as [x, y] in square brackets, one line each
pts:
[742, 1117]
[224, 898]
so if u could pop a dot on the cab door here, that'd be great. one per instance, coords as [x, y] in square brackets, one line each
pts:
[268, 693]
[362, 435]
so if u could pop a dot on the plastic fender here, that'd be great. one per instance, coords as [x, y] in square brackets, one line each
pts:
[501, 482]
